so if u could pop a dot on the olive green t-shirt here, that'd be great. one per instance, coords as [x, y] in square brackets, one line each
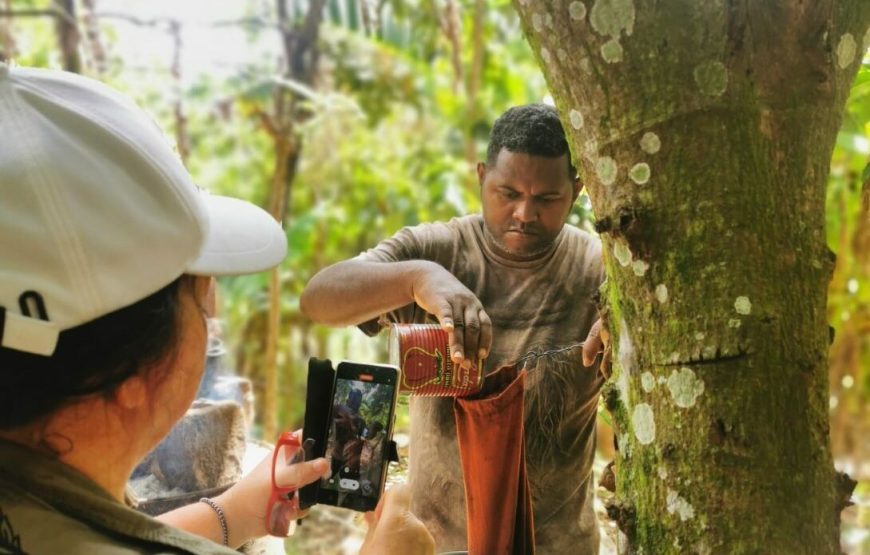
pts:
[47, 507]
[542, 304]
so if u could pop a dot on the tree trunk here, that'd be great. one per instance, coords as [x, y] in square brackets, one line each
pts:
[301, 56]
[68, 35]
[94, 37]
[704, 133]
[6, 40]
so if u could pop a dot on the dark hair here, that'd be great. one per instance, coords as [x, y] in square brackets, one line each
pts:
[531, 129]
[93, 358]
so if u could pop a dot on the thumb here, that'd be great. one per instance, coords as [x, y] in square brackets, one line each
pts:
[397, 501]
[372, 521]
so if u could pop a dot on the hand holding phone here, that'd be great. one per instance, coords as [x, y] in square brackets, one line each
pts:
[353, 432]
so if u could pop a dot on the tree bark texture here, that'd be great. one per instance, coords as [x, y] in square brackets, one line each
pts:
[703, 132]
[68, 35]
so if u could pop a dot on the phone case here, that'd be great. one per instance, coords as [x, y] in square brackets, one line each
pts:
[318, 406]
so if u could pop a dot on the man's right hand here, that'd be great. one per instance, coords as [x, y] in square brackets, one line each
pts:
[459, 311]
[394, 530]
[597, 343]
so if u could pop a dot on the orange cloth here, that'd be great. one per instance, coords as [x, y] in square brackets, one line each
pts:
[489, 427]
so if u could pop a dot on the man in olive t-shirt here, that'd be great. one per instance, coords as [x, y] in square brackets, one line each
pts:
[509, 281]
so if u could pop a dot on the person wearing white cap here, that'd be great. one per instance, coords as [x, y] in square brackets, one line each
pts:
[107, 250]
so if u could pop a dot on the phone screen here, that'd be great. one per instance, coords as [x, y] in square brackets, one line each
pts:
[361, 424]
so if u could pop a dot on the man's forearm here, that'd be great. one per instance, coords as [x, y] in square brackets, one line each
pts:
[355, 291]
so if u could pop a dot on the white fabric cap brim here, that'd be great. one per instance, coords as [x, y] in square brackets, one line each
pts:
[242, 239]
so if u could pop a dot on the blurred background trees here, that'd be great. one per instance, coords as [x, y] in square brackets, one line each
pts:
[351, 121]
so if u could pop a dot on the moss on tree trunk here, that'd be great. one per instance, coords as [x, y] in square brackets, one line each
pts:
[704, 133]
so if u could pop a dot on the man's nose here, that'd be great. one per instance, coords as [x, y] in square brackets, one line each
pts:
[526, 211]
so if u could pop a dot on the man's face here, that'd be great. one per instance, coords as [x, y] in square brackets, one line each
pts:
[526, 200]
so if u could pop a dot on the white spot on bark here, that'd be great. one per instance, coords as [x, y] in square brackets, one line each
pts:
[590, 149]
[661, 380]
[711, 78]
[622, 252]
[640, 267]
[537, 22]
[675, 357]
[644, 424]
[606, 169]
[548, 21]
[611, 17]
[639, 173]
[742, 305]
[611, 51]
[577, 10]
[650, 142]
[625, 356]
[709, 351]
[680, 506]
[545, 55]
[586, 65]
[624, 446]
[562, 55]
[663, 473]
[866, 42]
[685, 387]
[576, 119]
[734, 323]
[700, 336]
[846, 49]
[662, 293]
[647, 381]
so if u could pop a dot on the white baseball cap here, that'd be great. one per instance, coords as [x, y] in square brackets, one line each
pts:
[97, 211]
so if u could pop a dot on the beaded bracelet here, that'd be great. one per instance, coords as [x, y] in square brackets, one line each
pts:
[221, 518]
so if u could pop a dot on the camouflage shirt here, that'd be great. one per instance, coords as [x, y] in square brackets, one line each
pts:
[49, 507]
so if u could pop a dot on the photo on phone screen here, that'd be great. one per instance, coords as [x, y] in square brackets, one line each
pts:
[361, 425]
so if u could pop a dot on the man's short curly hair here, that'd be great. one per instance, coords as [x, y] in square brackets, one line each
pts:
[530, 129]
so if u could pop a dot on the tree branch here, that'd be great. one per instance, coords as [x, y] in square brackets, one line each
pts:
[48, 12]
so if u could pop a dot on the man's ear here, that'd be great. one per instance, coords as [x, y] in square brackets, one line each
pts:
[481, 173]
[132, 393]
[578, 186]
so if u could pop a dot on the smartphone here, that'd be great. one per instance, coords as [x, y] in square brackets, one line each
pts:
[360, 426]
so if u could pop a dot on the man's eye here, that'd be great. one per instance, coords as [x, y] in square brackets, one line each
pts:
[507, 193]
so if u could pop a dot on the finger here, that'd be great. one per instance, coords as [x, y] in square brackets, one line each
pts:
[605, 335]
[485, 343]
[444, 313]
[593, 344]
[397, 501]
[301, 474]
[372, 521]
[472, 334]
[457, 337]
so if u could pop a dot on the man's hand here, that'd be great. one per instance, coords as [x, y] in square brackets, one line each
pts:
[597, 343]
[393, 529]
[458, 310]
